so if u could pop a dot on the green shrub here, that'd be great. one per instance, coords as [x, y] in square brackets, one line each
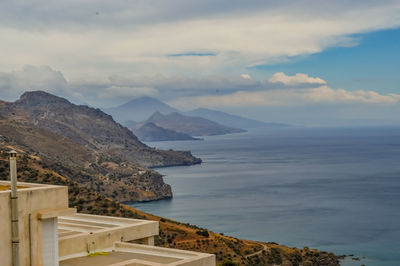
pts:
[203, 233]
[228, 262]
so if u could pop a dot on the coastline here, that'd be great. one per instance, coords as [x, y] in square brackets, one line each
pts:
[186, 236]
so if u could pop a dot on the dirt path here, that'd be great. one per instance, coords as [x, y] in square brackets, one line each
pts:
[265, 248]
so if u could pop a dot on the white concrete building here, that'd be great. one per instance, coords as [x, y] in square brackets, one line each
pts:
[39, 229]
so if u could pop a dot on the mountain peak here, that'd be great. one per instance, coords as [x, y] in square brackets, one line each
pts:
[33, 98]
[155, 116]
[144, 100]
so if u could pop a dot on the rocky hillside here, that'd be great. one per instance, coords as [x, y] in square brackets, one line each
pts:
[193, 126]
[88, 146]
[173, 234]
[94, 129]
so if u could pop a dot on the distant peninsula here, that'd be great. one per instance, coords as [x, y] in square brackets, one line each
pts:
[149, 131]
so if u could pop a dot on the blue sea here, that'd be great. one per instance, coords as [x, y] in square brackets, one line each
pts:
[334, 189]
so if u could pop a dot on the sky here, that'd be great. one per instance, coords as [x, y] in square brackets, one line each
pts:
[305, 62]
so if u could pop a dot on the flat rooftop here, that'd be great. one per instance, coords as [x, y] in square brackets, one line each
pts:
[135, 254]
[82, 224]
[79, 233]
[116, 257]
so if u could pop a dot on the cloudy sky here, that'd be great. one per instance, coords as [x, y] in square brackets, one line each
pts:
[302, 61]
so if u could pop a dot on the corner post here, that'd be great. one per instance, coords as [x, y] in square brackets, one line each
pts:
[14, 209]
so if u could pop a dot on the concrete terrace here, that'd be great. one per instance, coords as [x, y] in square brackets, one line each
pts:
[84, 232]
[128, 254]
[84, 224]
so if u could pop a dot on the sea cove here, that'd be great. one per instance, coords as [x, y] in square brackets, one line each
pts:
[335, 189]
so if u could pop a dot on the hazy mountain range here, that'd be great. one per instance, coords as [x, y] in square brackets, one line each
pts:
[153, 120]
[229, 119]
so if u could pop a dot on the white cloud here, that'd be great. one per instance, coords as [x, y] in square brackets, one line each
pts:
[94, 92]
[245, 76]
[321, 95]
[297, 79]
[291, 94]
[14, 83]
[137, 36]
[325, 94]
[187, 93]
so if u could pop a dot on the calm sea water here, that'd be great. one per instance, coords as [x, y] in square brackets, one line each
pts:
[335, 189]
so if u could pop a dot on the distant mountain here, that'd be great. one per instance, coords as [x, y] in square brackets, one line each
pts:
[139, 109]
[229, 119]
[193, 126]
[151, 132]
